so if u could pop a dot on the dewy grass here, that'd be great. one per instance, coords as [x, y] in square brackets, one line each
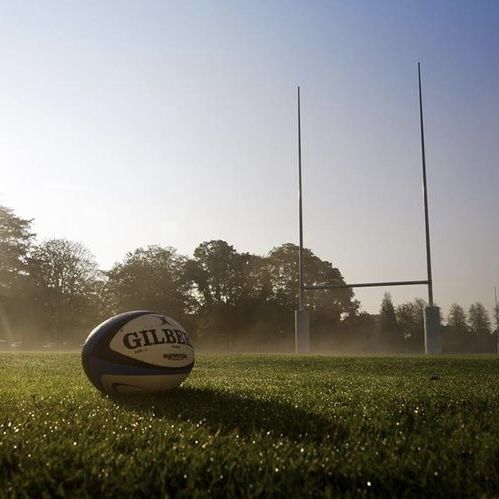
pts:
[246, 426]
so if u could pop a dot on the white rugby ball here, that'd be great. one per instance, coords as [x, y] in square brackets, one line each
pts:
[138, 352]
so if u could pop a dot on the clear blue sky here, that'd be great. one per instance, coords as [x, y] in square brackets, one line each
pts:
[126, 123]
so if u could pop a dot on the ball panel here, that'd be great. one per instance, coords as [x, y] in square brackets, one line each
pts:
[127, 384]
[154, 340]
[95, 368]
[96, 340]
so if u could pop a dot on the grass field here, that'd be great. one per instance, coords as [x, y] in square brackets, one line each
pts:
[254, 426]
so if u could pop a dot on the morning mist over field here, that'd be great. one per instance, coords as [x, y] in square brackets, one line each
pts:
[127, 124]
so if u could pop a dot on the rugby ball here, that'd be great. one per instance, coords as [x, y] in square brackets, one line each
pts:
[138, 352]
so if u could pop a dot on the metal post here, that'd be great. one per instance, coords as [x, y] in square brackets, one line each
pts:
[425, 194]
[432, 337]
[433, 343]
[496, 315]
[301, 301]
[302, 321]
[302, 331]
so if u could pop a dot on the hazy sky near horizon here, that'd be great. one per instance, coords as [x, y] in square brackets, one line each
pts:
[128, 123]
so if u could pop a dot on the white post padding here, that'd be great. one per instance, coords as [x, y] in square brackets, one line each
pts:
[302, 331]
[432, 336]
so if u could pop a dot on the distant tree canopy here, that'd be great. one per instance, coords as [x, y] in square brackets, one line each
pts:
[64, 279]
[410, 322]
[468, 333]
[282, 264]
[218, 292]
[237, 291]
[388, 319]
[151, 278]
[16, 240]
[479, 320]
[54, 291]
[221, 274]
[457, 319]
[388, 333]
[65, 267]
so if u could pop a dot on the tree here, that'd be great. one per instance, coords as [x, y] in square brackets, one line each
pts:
[357, 333]
[220, 273]
[388, 319]
[456, 320]
[15, 242]
[238, 291]
[151, 278]
[283, 273]
[411, 323]
[230, 287]
[479, 320]
[389, 331]
[65, 278]
[328, 307]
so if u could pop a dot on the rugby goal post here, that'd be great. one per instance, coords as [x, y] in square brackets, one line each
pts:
[431, 319]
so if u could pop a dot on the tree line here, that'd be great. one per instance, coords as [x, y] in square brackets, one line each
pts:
[53, 292]
[463, 332]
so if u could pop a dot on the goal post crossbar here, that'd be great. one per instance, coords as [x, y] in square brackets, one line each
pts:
[363, 285]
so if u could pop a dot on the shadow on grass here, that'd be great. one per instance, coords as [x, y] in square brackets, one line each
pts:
[230, 412]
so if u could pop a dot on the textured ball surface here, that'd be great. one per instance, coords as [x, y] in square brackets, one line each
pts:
[138, 352]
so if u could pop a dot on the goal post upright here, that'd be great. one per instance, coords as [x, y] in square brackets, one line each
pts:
[496, 315]
[301, 300]
[302, 323]
[432, 336]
